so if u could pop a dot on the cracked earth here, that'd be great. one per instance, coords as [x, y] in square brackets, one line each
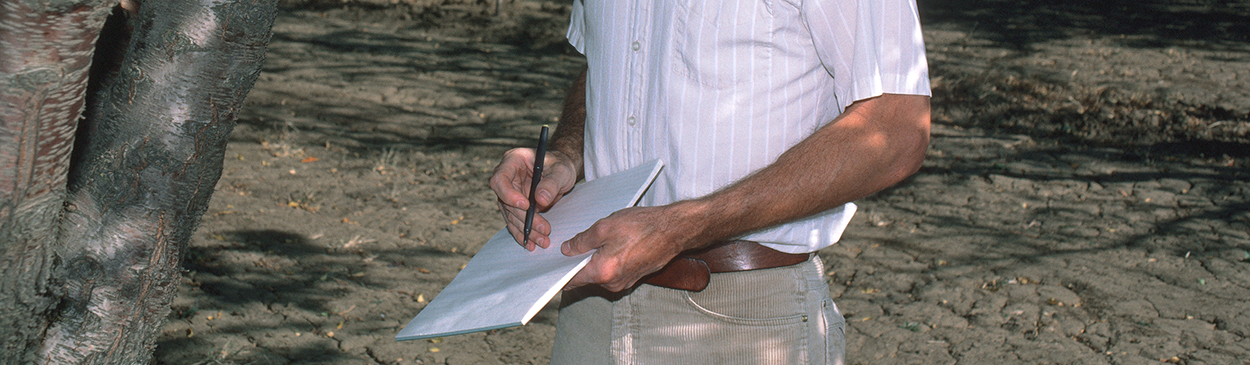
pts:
[1084, 200]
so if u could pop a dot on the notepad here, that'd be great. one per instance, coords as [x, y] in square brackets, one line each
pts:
[505, 285]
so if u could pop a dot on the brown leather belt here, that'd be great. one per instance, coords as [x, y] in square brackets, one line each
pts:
[693, 269]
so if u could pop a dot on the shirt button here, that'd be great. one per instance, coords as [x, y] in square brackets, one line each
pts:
[636, 46]
[631, 121]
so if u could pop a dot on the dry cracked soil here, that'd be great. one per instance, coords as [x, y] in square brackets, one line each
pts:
[1084, 199]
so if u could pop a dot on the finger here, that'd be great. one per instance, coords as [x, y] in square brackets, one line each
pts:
[512, 215]
[511, 178]
[516, 217]
[584, 276]
[516, 235]
[503, 213]
[515, 227]
[510, 194]
[537, 236]
[542, 225]
[600, 272]
[509, 217]
[540, 229]
[541, 232]
[515, 230]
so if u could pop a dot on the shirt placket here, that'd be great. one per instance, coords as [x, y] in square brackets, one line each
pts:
[634, 97]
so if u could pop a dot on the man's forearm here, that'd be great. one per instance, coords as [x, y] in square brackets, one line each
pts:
[569, 137]
[874, 144]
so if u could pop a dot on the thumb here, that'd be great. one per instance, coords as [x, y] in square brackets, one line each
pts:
[556, 182]
[578, 245]
[544, 196]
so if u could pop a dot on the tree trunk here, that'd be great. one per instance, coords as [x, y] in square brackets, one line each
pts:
[90, 262]
[45, 53]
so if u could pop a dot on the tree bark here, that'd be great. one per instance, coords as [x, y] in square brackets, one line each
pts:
[45, 53]
[94, 258]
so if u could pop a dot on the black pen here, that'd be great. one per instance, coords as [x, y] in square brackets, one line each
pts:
[538, 175]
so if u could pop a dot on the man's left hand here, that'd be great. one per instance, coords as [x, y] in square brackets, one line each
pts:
[631, 244]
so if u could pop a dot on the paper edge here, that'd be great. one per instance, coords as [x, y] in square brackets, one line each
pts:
[462, 332]
[848, 211]
[551, 293]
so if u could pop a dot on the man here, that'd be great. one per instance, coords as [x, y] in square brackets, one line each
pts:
[770, 116]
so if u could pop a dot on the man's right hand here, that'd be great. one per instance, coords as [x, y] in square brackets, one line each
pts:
[511, 183]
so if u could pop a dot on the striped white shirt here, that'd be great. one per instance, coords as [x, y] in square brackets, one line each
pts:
[718, 89]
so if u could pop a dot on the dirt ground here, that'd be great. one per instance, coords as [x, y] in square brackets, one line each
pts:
[1084, 201]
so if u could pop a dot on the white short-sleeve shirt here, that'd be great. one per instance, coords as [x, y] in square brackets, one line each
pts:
[720, 88]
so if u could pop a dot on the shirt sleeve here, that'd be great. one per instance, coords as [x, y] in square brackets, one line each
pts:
[577, 25]
[870, 47]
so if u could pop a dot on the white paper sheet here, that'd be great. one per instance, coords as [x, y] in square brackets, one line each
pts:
[504, 285]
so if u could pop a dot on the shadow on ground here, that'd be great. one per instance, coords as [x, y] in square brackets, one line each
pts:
[1084, 199]
[1212, 24]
